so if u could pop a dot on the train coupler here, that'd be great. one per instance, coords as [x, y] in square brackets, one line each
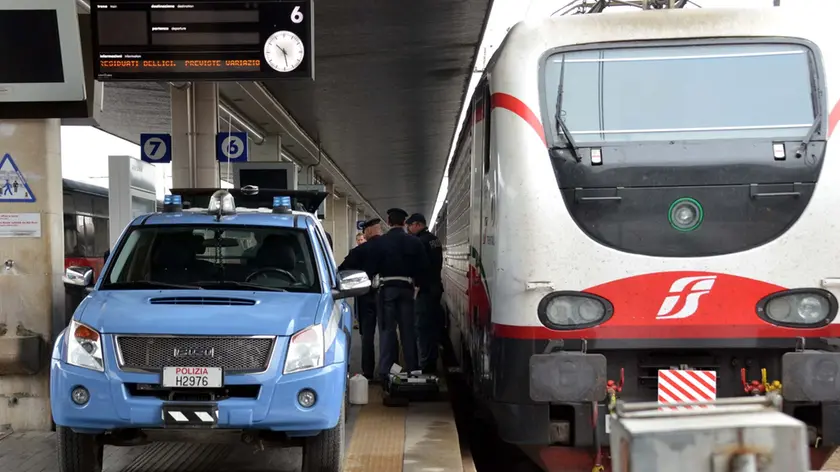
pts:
[613, 389]
[755, 387]
[774, 386]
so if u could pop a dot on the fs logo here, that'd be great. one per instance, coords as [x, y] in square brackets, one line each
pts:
[690, 289]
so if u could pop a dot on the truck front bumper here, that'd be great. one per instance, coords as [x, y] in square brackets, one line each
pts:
[111, 406]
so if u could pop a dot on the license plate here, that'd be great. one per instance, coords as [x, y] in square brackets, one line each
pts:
[192, 377]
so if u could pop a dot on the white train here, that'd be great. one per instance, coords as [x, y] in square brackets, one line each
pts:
[689, 224]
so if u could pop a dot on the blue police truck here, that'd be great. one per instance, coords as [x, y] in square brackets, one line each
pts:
[224, 314]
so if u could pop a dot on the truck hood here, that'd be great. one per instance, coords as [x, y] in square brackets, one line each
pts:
[190, 312]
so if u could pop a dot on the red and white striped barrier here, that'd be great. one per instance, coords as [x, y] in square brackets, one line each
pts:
[681, 386]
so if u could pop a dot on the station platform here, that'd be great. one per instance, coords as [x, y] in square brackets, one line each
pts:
[419, 438]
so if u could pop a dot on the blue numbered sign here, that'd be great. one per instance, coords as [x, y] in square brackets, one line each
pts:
[232, 147]
[156, 148]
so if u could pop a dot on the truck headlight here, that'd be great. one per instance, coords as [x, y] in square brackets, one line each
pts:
[573, 310]
[84, 347]
[306, 350]
[799, 308]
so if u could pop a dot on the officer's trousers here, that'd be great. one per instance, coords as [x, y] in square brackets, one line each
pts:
[396, 310]
[429, 319]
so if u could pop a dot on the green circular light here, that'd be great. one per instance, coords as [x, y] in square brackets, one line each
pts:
[688, 204]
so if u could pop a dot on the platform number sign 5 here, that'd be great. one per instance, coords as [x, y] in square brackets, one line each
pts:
[156, 148]
[232, 147]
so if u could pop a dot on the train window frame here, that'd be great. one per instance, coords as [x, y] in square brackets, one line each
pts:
[817, 75]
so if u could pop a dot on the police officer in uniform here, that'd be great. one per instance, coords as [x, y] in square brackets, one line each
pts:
[427, 306]
[358, 259]
[399, 262]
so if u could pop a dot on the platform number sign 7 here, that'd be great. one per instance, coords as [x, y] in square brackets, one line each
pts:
[155, 146]
[297, 16]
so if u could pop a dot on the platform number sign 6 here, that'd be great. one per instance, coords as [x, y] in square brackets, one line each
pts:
[232, 148]
[297, 16]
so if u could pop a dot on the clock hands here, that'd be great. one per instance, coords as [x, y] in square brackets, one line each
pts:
[285, 55]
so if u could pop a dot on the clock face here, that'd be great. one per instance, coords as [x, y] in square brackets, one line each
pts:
[284, 51]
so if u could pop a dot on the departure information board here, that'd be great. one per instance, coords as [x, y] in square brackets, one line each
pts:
[141, 40]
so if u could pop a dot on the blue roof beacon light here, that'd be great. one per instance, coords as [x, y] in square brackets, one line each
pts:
[172, 204]
[281, 205]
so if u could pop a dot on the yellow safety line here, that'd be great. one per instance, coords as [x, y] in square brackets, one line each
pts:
[378, 442]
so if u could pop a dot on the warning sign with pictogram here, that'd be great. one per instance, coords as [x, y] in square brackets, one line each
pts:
[13, 186]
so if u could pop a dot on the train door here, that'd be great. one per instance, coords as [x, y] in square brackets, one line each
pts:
[480, 296]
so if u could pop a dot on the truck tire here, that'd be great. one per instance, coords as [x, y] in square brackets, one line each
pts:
[325, 452]
[78, 452]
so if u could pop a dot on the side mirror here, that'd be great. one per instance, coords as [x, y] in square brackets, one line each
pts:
[352, 283]
[78, 276]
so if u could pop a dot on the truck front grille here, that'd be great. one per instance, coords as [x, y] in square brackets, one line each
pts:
[234, 354]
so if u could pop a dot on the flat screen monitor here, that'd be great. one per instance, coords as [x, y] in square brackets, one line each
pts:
[41, 53]
[276, 175]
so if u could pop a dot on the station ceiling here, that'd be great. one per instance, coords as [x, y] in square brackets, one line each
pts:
[390, 80]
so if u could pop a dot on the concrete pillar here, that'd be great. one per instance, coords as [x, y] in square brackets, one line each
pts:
[195, 122]
[31, 266]
[329, 220]
[352, 211]
[341, 236]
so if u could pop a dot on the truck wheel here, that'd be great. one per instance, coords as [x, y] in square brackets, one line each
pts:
[325, 452]
[78, 452]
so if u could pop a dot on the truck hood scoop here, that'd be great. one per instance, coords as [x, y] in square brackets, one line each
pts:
[213, 301]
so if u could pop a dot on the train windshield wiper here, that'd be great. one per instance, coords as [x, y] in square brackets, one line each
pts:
[808, 137]
[559, 125]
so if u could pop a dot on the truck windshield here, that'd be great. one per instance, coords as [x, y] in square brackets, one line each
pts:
[683, 92]
[214, 257]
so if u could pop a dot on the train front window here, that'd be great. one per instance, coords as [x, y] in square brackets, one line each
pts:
[214, 257]
[685, 92]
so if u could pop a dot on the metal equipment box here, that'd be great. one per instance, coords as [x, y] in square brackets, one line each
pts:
[728, 435]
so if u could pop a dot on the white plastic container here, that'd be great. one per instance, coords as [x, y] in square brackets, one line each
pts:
[358, 390]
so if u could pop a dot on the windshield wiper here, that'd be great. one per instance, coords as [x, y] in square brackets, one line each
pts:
[808, 137]
[559, 125]
[149, 284]
[234, 285]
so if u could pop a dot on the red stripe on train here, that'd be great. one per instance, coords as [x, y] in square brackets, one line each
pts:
[833, 118]
[515, 105]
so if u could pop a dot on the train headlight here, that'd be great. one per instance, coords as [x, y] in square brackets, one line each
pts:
[800, 308]
[685, 214]
[573, 310]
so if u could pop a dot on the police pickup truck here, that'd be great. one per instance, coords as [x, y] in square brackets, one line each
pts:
[213, 319]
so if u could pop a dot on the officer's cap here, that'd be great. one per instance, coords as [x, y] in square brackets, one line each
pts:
[397, 212]
[416, 218]
[371, 222]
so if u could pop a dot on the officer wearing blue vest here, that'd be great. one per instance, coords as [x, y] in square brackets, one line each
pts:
[400, 268]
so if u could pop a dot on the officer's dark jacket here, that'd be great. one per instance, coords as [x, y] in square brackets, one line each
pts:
[357, 258]
[434, 251]
[398, 254]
